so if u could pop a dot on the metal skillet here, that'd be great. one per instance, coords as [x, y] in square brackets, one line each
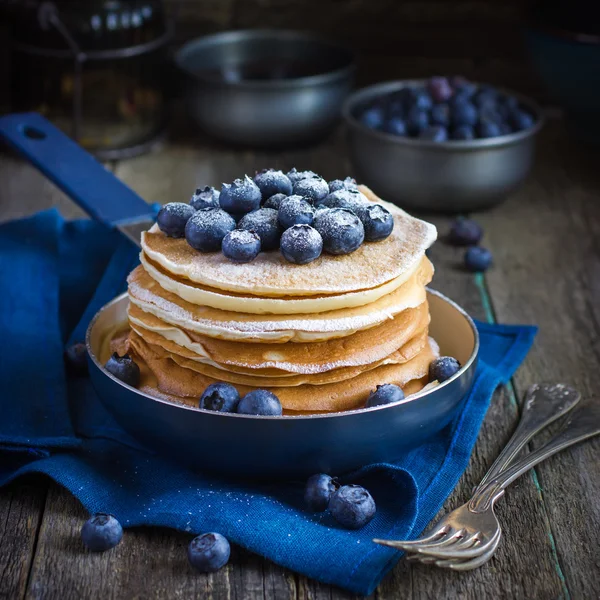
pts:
[231, 444]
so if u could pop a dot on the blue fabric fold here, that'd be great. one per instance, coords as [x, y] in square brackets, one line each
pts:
[54, 276]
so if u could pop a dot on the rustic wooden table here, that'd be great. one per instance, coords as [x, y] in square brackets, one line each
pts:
[546, 243]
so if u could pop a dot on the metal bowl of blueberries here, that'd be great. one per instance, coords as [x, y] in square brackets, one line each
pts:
[441, 144]
[266, 88]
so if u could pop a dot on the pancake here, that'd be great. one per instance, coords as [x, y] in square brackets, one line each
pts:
[371, 266]
[204, 296]
[146, 294]
[174, 380]
[362, 348]
[184, 358]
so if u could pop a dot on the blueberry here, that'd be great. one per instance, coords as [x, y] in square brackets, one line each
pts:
[205, 198]
[486, 95]
[260, 402]
[510, 102]
[315, 188]
[274, 201]
[352, 506]
[505, 128]
[373, 117]
[377, 221]
[220, 397]
[440, 89]
[264, 223]
[478, 259]
[352, 199]
[295, 210]
[487, 129]
[464, 113]
[464, 232]
[294, 175]
[76, 359]
[463, 87]
[347, 184]
[207, 228]
[440, 115]
[443, 368]
[124, 368]
[241, 246]
[520, 120]
[463, 132]
[301, 244]
[318, 491]
[208, 552]
[490, 114]
[395, 126]
[271, 182]
[242, 196]
[385, 394]
[422, 100]
[417, 121]
[341, 230]
[101, 532]
[172, 218]
[435, 133]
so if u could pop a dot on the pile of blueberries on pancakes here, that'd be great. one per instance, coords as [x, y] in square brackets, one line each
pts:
[298, 213]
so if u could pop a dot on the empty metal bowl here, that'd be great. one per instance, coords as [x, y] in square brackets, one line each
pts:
[283, 447]
[266, 87]
[451, 176]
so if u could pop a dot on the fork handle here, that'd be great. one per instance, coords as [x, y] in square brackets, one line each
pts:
[544, 403]
[584, 424]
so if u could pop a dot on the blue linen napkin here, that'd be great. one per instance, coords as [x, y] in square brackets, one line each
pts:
[54, 275]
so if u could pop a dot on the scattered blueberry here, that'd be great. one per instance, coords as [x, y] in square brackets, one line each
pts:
[241, 246]
[463, 132]
[274, 201]
[464, 113]
[385, 394]
[478, 259]
[352, 506]
[271, 182]
[443, 368]
[396, 126]
[440, 115]
[295, 210]
[377, 221]
[264, 223]
[301, 244]
[487, 129]
[260, 402]
[101, 532]
[434, 133]
[373, 117]
[440, 89]
[242, 196]
[315, 188]
[172, 218]
[124, 368]
[206, 197]
[352, 199]
[520, 120]
[417, 120]
[207, 228]
[347, 184]
[208, 552]
[76, 359]
[341, 230]
[318, 491]
[220, 397]
[464, 232]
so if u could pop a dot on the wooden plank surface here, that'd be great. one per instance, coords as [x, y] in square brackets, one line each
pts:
[151, 563]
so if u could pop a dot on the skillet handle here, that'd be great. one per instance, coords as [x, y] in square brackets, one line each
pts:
[73, 170]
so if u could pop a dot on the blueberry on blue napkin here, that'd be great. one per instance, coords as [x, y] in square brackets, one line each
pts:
[54, 276]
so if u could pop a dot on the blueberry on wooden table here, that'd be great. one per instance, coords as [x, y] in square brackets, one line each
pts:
[101, 532]
[478, 259]
[464, 232]
[208, 552]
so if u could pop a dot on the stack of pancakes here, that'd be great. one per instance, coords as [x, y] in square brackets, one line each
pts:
[320, 336]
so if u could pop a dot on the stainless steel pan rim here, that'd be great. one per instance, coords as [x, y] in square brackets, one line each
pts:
[337, 415]
[368, 93]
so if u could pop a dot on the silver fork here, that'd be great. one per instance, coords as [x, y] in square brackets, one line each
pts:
[472, 530]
